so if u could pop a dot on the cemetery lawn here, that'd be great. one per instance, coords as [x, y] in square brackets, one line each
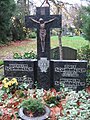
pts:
[75, 42]
[7, 51]
[1, 62]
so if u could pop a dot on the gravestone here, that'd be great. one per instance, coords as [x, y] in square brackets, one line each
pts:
[72, 73]
[68, 53]
[21, 69]
[47, 72]
[43, 21]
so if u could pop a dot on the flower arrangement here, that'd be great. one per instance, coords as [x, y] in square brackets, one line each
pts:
[9, 85]
[63, 104]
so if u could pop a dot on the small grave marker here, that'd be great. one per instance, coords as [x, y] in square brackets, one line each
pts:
[68, 53]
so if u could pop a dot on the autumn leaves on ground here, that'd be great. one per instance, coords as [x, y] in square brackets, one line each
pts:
[21, 47]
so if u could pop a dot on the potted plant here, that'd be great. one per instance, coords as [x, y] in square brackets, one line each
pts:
[33, 109]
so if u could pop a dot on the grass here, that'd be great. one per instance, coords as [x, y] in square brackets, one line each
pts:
[29, 45]
[73, 42]
[1, 62]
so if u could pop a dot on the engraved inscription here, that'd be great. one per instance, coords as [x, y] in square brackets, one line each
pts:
[71, 83]
[72, 74]
[70, 70]
[18, 67]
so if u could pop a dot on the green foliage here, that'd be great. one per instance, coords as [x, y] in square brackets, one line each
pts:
[19, 93]
[77, 106]
[7, 8]
[32, 105]
[30, 55]
[84, 53]
[17, 29]
[27, 55]
[1, 94]
[86, 22]
[1, 62]
[32, 35]
[17, 56]
[18, 22]
[52, 101]
[39, 93]
[23, 86]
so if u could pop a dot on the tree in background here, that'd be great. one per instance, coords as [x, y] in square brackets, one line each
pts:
[18, 21]
[86, 22]
[17, 29]
[19, 32]
[7, 8]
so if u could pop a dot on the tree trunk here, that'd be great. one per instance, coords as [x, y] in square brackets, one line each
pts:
[60, 45]
[28, 8]
[59, 10]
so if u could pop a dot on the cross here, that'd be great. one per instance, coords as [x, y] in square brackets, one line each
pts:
[43, 21]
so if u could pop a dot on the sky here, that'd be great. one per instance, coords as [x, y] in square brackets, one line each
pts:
[38, 2]
[69, 1]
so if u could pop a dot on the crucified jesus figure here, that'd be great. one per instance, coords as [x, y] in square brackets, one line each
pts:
[42, 33]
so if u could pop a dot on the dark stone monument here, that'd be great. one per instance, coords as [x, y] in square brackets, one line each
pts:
[43, 21]
[21, 69]
[68, 53]
[47, 72]
[72, 73]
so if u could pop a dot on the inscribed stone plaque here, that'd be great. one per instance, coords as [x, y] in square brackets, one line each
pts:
[23, 70]
[72, 73]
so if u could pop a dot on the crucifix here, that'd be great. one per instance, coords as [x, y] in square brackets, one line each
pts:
[42, 32]
[43, 21]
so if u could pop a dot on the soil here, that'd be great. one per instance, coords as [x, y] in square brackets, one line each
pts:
[16, 43]
[35, 114]
[9, 54]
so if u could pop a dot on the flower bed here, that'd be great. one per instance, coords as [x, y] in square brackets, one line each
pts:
[63, 104]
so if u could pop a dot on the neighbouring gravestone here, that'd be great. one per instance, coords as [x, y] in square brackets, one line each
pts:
[68, 53]
[22, 69]
[72, 73]
[43, 21]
